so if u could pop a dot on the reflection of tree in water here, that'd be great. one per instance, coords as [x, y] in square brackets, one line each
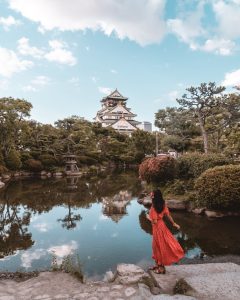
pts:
[71, 219]
[186, 242]
[214, 236]
[115, 207]
[23, 198]
[13, 230]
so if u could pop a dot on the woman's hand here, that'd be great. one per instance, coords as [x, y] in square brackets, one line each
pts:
[176, 226]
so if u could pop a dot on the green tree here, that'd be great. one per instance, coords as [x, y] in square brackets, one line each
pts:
[13, 113]
[13, 160]
[203, 102]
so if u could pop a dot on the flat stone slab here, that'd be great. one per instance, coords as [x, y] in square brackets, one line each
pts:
[216, 286]
[198, 269]
[209, 281]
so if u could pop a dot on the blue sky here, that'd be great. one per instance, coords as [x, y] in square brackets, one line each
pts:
[64, 56]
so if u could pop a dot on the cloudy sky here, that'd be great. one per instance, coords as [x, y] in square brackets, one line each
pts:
[64, 56]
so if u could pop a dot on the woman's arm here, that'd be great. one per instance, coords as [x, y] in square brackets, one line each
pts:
[172, 221]
[153, 221]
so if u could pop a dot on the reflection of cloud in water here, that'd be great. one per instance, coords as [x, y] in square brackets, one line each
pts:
[103, 218]
[34, 218]
[28, 256]
[115, 234]
[95, 227]
[192, 253]
[64, 250]
[42, 227]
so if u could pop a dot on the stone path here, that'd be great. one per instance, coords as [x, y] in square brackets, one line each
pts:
[208, 281]
[62, 286]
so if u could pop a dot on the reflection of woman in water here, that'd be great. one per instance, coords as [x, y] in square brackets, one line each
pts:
[166, 249]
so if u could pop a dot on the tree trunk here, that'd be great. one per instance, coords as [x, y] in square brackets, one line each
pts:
[204, 132]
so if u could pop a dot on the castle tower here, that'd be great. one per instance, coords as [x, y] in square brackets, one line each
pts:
[116, 114]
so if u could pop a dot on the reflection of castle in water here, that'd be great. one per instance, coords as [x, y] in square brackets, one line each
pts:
[116, 207]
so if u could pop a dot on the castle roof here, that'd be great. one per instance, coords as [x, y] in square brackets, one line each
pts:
[115, 95]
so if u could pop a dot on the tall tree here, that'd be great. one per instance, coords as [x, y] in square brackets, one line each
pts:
[12, 122]
[202, 101]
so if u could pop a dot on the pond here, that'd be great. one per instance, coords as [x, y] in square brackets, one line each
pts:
[97, 219]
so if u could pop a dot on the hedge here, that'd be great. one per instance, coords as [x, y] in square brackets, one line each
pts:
[192, 165]
[219, 188]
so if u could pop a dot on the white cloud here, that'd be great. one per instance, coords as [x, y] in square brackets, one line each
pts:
[36, 83]
[60, 54]
[219, 46]
[104, 90]
[28, 256]
[10, 63]
[232, 78]
[114, 71]
[8, 22]
[138, 20]
[227, 14]
[29, 88]
[42, 227]
[61, 251]
[188, 27]
[25, 49]
[41, 80]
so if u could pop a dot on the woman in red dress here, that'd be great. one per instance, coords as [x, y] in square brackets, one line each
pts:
[166, 249]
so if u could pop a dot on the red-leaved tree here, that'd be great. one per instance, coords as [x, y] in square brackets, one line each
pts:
[157, 169]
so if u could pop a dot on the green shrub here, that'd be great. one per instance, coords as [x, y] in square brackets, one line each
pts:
[86, 160]
[219, 188]
[178, 187]
[13, 160]
[194, 164]
[48, 161]
[157, 169]
[33, 165]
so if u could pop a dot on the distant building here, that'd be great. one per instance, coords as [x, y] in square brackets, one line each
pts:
[116, 114]
[146, 126]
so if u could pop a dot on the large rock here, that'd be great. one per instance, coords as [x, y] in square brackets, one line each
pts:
[177, 204]
[215, 286]
[198, 211]
[6, 177]
[57, 174]
[2, 184]
[129, 274]
[220, 214]
[214, 214]
[206, 281]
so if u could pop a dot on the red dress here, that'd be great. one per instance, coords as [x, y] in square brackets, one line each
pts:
[166, 249]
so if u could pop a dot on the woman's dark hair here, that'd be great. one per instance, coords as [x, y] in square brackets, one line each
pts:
[158, 201]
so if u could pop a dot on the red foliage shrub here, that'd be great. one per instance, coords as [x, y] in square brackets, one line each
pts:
[157, 169]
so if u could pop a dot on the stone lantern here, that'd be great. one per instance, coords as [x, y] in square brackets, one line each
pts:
[71, 167]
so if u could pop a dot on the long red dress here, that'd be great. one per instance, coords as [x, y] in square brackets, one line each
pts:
[166, 249]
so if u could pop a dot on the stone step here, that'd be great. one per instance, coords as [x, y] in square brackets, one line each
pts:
[201, 269]
[208, 281]
[224, 285]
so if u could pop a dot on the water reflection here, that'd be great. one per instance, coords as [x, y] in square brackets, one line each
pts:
[97, 217]
[14, 233]
[115, 207]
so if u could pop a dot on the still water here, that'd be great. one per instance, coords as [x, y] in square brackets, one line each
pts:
[99, 220]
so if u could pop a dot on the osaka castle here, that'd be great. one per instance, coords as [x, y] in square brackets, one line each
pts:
[116, 114]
